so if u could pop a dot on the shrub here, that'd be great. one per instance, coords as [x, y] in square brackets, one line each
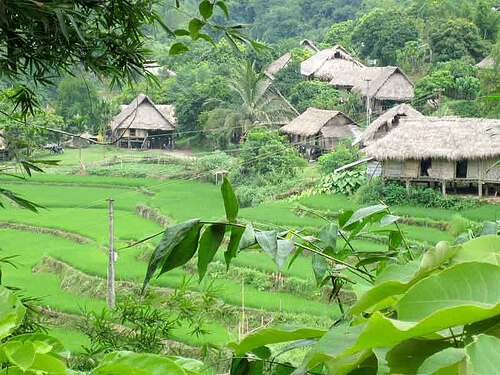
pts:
[457, 225]
[213, 162]
[343, 154]
[345, 182]
[394, 194]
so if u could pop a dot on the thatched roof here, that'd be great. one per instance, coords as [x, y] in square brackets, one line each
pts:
[328, 63]
[277, 65]
[142, 113]
[389, 118]
[451, 138]
[488, 62]
[314, 120]
[387, 83]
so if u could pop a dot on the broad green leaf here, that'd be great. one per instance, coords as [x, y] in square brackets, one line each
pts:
[489, 227]
[349, 364]
[272, 336]
[484, 355]
[21, 355]
[393, 280]
[56, 347]
[395, 239]
[223, 6]
[49, 364]
[481, 249]
[333, 344]
[194, 27]
[137, 364]
[234, 243]
[344, 217]
[319, 266]
[407, 356]
[363, 213]
[445, 361]
[488, 326]
[466, 284]
[184, 251]
[11, 312]
[243, 366]
[230, 201]
[206, 9]
[209, 244]
[171, 238]
[436, 257]
[268, 241]
[190, 365]
[178, 48]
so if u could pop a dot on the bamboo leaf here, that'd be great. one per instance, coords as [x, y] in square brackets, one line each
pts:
[319, 266]
[172, 237]
[184, 251]
[209, 244]
[230, 201]
[234, 243]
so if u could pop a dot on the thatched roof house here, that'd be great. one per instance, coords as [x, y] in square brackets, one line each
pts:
[320, 128]
[388, 121]
[488, 62]
[144, 120]
[440, 148]
[385, 86]
[329, 63]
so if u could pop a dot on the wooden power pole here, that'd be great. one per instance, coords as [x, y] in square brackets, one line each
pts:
[111, 258]
[368, 109]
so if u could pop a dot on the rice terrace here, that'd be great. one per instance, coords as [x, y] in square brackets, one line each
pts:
[247, 187]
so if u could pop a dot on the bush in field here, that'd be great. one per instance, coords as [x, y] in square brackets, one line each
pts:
[457, 225]
[342, 155]
[395, 195]
[213, 162]
[345, 182]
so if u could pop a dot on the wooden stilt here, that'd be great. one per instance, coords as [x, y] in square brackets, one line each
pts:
[479, 189]
[443, 187]
[408, 187]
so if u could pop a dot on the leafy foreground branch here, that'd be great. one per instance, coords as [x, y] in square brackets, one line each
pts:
[425, 312]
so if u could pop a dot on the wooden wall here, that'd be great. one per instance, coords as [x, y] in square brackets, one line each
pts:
[442, 169]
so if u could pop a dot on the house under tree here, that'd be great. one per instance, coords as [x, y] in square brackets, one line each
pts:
[318, 131]
[144, 125]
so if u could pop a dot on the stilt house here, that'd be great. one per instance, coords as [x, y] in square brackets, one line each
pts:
[318, 130]
[144, 125]
[449, 151]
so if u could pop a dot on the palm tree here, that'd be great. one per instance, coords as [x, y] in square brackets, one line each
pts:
[255, 104]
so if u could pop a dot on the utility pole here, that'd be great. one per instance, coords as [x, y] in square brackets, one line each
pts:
[368, 111]
[111, 258]
[440, 100]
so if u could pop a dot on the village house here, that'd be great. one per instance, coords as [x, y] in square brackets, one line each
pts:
[486, 63]
[144, 125]
[446, 151]
[382, 86]
[317, 131]
[379, 128]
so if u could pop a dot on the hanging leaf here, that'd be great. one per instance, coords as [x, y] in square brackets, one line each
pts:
[209, 244]
[223, 6]
[207, 38]
[206, 9]
[194, 27]
[172, 237]
[268, 241]
[178, 48]
[230, 201]
[285, 247]
[388, 220]
[234, 243]
[328, 238]
[184, 251]
[319, 266]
